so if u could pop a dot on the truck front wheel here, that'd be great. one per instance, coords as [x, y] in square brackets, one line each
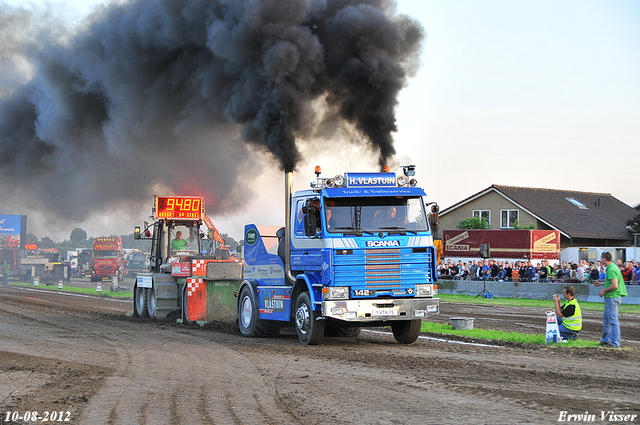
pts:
[406, 331]
[310, 330]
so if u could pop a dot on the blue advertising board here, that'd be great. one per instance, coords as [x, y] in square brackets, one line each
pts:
[13, 231]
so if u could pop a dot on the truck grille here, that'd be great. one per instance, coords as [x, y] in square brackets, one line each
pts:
[383, 268]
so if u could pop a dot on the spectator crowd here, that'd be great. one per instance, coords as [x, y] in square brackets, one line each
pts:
[525, 271]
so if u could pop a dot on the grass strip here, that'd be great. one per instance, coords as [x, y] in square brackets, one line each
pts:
[488, 334]
[522, 302]
[106, 289]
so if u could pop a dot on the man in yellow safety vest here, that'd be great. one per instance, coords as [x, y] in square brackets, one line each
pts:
[569, 315]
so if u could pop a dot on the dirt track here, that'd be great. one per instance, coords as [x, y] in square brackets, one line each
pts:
[86, 357]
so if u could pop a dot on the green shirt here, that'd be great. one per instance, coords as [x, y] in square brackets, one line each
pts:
[5, 268]
[179, 244]
[613, 272]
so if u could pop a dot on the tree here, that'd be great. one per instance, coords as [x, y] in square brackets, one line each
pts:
[516, 226]
[474, 223]
[47, 242]
[229, 241]
[78, 235]
[633, 227]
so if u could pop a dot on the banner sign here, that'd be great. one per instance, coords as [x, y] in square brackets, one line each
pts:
[13, 231]
[516, 244]
[370, 179]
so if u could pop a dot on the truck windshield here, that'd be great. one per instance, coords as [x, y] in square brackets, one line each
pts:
[185, 238]
[106, 254]
[138, 258]
[372, 215]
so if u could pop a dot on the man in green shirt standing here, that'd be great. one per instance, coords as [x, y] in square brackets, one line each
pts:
[5, 273]
[614, 290]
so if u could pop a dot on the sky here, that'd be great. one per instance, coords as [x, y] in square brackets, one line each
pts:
[531, 93]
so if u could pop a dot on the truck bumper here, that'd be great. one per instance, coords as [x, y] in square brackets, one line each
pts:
[378, 309]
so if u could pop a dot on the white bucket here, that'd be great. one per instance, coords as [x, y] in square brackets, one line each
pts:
[462, 323]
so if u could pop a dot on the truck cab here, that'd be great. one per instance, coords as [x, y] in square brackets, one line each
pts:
[359, 252]
[137, 262]
[107, 259]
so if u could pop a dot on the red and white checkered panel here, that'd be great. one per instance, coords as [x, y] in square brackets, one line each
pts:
[199, 268]
[193, 285]
[196, 299]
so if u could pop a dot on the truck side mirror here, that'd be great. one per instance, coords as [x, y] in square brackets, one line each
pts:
[310, 225]
[136, 232]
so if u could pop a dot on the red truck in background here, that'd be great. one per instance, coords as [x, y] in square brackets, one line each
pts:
[108, 259]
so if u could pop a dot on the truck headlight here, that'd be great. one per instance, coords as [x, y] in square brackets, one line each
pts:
[424, 290]
[336, 293]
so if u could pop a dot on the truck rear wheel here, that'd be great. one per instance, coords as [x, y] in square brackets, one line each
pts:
[310, 330]
[248, 322]
[140, 302]
[406, 331]
[151, 301]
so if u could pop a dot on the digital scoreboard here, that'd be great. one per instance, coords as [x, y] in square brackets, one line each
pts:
[178, 207]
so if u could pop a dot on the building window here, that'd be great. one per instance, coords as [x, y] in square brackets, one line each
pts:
[486, 214]
[577, 203]
[508, 218]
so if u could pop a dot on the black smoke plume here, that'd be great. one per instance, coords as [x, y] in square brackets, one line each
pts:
[153, 95]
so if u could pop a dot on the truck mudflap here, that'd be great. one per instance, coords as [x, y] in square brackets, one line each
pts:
[372, 310]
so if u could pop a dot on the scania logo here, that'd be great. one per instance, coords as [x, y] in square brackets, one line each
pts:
[383, 243]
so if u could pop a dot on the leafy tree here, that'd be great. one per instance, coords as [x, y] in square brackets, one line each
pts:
[516, 225]
[32, 238]
[474, 223]
[47, 242]
[633, 226]
[78, 235]
[229, 241]
[128, 241]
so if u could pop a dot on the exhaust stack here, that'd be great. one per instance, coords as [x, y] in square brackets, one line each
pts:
[288, 194]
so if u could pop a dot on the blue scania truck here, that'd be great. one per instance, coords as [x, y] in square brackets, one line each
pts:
[356, 251]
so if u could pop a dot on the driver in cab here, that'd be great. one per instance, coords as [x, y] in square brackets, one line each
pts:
[179, 244]
[386, 217]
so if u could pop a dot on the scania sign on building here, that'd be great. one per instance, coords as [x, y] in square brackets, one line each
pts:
[379, 244]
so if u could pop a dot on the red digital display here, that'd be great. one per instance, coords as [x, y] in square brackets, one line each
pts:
[31, 246]
[179, 207]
